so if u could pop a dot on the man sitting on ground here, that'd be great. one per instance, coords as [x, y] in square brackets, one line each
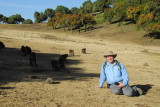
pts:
[117, 77]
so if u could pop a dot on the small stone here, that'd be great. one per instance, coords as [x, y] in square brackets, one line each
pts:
[145, 64]
[49, 81]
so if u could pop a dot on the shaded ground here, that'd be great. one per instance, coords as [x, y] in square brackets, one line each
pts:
[76, 88]
[15, 67]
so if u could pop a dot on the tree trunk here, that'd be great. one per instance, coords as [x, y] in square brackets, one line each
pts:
[110, 22]
[79, 29]
[52, 26]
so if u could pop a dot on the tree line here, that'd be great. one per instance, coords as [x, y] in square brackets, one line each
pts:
[72, 21]
[14, 19]
[144, 13]
[87, 7]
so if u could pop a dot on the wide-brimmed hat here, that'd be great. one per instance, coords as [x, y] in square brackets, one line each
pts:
[110, 53]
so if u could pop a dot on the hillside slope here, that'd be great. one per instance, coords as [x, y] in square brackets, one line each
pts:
[125, 33]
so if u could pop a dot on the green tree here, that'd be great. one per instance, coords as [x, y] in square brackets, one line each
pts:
[149, 20]
[120, 10]
[15, 19]
[81, 10]
[63, 10]
[109, 14]
[87, 20]
[102, 5]
[18, 18]
[1, 15]
[75, 10]
[49, 13]
[28, 21]
[5, 19]
[39, 17]
[112, 2]
[133, 13]
[36, 16]
[95, 7]
[11, 20]
[87, 6]
[42, 17]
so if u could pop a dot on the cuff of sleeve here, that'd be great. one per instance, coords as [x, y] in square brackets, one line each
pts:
[125, 83]
[100, 85]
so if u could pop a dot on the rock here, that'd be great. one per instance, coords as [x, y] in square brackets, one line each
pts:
[49, 81]
[145, 64]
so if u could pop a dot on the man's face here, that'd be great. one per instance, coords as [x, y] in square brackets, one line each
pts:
[110, 59]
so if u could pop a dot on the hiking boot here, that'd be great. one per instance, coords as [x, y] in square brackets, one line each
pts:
[139, 91]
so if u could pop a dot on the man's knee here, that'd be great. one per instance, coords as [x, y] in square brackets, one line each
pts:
[128, 91]
[129, 94]
[116, 90]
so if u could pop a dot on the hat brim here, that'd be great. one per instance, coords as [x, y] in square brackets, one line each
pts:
[114, 55]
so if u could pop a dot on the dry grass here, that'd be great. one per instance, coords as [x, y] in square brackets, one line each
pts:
[126, 33]
[77, 88]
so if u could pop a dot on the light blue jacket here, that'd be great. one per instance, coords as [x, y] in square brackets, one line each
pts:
[113, 74]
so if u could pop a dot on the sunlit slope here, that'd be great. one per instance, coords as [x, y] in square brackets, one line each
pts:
[124, 33]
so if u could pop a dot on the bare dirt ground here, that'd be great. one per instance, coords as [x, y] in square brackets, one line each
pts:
[77, 88]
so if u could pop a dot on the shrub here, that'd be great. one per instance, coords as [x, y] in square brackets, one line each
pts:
[27, 21]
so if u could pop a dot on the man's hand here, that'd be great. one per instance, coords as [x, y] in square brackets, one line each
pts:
[98, 87]
[120, 85]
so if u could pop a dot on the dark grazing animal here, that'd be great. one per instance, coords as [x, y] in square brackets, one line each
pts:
[26, 50]
[22, 49]
[33, 59]
[63, 58]
[84, 50]
[0, 47]
[60, 64]
[55, 65]
[2, 44]
[71, 52]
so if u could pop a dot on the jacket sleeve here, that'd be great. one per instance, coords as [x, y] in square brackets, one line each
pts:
[124, 75]
[102, 76]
